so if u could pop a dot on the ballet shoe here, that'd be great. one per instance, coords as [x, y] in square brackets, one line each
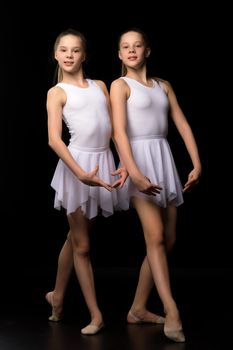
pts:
[175, 335]
[92, 329]
[55, 317]
[137, 320]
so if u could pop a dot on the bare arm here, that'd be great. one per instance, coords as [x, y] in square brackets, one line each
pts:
[56, 98]
[121, 172]
[119, 93]
[186, 133]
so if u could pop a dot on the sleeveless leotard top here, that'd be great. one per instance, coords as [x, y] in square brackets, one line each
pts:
[86, 116]
[147, 109]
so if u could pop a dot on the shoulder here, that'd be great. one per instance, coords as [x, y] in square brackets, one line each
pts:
[56, 93]
[119, 85]
[119, 89]
[164, 84]
[101, 83]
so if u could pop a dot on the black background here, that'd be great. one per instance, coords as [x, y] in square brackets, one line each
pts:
[190, 48]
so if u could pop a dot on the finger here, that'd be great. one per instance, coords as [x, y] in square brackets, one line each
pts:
[116, 184]
[155, 190]
[151, 190]
[106, 185]
[190, 183]
[149, 193]
[159, 188]
[188, 186]
[116, 172]
[185, 189]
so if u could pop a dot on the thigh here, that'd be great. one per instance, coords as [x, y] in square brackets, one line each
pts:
[79, 227]
[150, 216]
[170, 219]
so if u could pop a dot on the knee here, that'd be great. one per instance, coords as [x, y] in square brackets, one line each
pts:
[155, 241]
[82, 249]
[170, 240]
[170, 243]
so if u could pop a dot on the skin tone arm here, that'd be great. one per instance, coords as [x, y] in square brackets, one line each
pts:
[186, 133]
[56, 99]
[119, 93]
[121, 172]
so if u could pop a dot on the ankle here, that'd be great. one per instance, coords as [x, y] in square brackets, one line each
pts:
[138, 309]
[57, 298]
[96, 318]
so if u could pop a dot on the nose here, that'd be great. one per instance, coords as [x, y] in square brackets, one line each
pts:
[131, 49]
[69, 54]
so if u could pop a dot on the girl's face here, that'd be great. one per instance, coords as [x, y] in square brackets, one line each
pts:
[132, 50]
[70, 53]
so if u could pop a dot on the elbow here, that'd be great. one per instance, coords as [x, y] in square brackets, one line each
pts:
[52, 143]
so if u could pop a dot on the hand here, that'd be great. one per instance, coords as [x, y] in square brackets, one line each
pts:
[144, 185]
[91, 179]
[123, 174]
[193, 179]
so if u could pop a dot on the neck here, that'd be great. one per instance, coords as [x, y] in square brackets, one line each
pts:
[138, 74]
[74, 78]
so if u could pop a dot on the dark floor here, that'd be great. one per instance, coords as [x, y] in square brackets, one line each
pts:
[204, 297]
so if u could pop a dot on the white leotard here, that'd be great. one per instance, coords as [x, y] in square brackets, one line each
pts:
[87, 118]
[147, 127]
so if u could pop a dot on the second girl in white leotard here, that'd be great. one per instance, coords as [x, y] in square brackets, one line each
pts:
[141, 106]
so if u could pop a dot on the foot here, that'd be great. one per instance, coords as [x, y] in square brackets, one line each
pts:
[92, 329]
[173, 329]
[144, 317]
[175, 335]
[56, 310]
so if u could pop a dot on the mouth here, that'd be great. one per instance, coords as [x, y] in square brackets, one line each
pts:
[68, 63]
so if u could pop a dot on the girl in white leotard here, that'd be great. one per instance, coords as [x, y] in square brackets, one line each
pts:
[140, 107]
[83, 177]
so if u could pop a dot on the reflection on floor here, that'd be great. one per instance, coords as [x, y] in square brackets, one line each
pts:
[204, 298]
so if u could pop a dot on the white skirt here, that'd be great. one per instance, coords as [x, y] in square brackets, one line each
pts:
[71, 193]
[155, 160]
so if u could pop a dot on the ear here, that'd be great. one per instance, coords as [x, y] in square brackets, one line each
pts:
[148, 51]
[55, 56]
[119, 55]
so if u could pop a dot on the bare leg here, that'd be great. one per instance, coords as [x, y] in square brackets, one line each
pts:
[79, 226]
[145, 282]
[65, 266]
[170, 218]
[152, 223]
[138, 312]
